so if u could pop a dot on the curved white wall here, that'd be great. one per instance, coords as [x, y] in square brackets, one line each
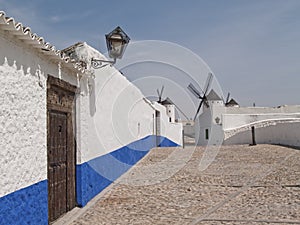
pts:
[232, 121]
[277, 133]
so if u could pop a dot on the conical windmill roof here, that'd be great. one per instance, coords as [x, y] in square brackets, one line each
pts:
[213, 96]
[167, 101]
[232, 102]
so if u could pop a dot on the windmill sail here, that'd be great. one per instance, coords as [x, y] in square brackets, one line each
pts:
[160, 93]
[197, 93]
[227, 99]
[194, 91]
[179, 109]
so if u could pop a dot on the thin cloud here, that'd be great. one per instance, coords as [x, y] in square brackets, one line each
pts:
[55, 19]
[60, 18]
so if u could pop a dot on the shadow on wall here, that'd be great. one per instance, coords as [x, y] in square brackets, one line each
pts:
[35, 70]
[92, 94]
[286, 134]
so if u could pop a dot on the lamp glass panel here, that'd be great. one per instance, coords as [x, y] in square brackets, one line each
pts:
[116, 48]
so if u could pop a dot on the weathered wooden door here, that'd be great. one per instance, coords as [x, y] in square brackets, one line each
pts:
[61, 147]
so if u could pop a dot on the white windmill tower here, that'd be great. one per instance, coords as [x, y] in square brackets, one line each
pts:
[171, 107]
[208, 126]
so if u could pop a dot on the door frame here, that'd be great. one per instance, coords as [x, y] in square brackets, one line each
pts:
[60, 104]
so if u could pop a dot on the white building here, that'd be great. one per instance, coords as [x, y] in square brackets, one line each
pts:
[67, 130]
[170, 109]
[231, 124]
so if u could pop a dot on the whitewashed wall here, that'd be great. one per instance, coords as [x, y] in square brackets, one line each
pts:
[115, 126]
[172, 131]
[276, 133]
[113, 112]
[23, 75]
[273, 125]
[232, 121]
[112, 115]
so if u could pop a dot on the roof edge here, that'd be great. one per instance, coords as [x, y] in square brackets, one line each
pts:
[32, 39]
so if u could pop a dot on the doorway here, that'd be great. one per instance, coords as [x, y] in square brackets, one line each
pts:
[157, 128]
[61, 152]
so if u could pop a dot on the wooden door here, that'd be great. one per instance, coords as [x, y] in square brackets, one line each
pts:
[61, 147]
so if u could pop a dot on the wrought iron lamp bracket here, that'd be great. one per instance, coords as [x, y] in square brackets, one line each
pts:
[99, 63]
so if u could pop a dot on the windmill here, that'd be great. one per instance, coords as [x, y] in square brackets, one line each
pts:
[160, 93]
[203, 94]
[231, 102]
[168, 99]
[176, 106]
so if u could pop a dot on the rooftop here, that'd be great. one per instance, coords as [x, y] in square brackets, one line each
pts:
[18, 31]
[213, 96]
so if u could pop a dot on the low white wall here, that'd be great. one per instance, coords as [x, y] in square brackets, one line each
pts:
[189, 130]
[263, 110]
[170, 130]
[231, 121]
[235, 125]
[276, 133]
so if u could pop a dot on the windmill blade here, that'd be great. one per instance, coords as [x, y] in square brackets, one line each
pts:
[227, 99]
[199, 107]
[194, 91]
[159, 96]
[208, 83]
[158, 92]
[162, 90]
[179, 109]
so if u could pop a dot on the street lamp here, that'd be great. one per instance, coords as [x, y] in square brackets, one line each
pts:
[116, 42]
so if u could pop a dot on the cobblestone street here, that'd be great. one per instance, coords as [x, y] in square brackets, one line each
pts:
[244, 185]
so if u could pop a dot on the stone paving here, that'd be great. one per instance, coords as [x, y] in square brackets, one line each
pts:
[243, 185]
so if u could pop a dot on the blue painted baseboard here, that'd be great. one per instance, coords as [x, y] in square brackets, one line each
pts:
[26, 206]
[88, 183]
[165, 142]
[30, 205]
[95, 175]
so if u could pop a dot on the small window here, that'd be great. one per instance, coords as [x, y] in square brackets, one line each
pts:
[169, 111]
[170, 119]
[206, 134]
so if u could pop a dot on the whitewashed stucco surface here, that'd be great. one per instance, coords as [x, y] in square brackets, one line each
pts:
[172, 131]
[23, 143]
[234, 121]
[112, 111]
[274, 125]
[280, 132]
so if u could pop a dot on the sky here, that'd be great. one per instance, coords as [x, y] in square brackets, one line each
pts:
[252, 47]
